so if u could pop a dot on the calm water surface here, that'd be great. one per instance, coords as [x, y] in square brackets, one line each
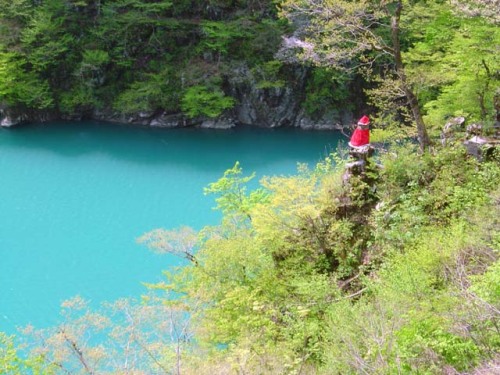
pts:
[75, 196]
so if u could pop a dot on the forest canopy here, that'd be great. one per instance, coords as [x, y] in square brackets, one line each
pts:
[80, 58]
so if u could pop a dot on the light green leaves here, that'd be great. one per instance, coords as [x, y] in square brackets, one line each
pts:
[21, 87]
[232, 192]
[151, 92]
[203, 101]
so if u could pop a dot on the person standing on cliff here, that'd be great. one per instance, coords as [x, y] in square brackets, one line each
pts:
[361, 136]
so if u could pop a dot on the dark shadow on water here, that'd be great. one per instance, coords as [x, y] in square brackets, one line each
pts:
[206, 149]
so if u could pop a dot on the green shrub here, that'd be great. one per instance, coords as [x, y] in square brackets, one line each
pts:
[425, 347]
[20, 87]
[203, 101]
[325, 90]
[154, 91]
[79, 99]
[268, 75]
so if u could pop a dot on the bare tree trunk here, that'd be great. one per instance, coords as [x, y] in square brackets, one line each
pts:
[481, 95]
[423, 137]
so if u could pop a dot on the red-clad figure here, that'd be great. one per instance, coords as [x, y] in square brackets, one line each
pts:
[361, 135]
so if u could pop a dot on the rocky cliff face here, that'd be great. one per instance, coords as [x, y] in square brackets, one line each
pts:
[271, 107]
[10, 117]
[279, 106]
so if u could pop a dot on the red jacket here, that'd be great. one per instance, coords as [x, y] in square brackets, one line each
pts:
[360, 137]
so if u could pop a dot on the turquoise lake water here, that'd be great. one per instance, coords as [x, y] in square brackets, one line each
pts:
[75, 196]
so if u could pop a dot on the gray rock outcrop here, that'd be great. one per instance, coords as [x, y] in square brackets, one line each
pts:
[259, 102]
[8, 121]
[271, 107]
[218, 123]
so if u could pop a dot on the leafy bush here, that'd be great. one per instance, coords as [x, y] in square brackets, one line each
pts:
[267, 75]
[325, 89]
[218, 36]
[20, 87]
[469, 65]
[80, 99]
[155, 91]
[13, 362]
[203, 101]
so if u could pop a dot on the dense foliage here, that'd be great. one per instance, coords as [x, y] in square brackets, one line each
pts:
[129, 55]
[79, 58]
[423, 61]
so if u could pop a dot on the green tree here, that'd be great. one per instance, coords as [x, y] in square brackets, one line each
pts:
[19, 87]
[150, 92]
[12, 362]
[355, 35]
[217, 36]
[201, 100]
[472, 72]
[232, 193]
[451, 63]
